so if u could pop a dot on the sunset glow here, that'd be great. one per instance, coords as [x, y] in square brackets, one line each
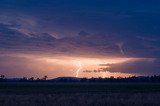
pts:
[57, 66]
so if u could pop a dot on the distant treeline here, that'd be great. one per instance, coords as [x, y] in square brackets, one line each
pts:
[155, 79]
[152, 79]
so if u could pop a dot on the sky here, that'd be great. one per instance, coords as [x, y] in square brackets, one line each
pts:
[79, 38]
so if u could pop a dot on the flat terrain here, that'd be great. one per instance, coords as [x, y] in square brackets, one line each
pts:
[79, 94]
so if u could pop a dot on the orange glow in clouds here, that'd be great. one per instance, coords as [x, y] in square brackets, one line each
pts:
[75, 66]
[67, 66]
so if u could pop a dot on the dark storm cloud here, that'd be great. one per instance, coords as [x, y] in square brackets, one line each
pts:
[140, 67]
[119, 28]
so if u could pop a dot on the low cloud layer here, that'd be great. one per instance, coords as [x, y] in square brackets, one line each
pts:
[140, 67]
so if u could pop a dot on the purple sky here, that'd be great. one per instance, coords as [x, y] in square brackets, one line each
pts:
[80, 30]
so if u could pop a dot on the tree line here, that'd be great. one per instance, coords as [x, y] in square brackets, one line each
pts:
[154, 78]
[44, 78]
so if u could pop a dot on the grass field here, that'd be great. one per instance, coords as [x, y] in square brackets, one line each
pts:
[79, 94]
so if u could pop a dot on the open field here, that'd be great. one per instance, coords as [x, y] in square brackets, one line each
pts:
[79, 94]
[82, 99]
[49, 88]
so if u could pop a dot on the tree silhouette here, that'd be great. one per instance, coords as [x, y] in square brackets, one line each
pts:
[38, 79]
[2, 76]
[24, 78]
[45, 77]
[32, 78]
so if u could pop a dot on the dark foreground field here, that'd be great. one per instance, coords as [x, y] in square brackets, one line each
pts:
[79, 94]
